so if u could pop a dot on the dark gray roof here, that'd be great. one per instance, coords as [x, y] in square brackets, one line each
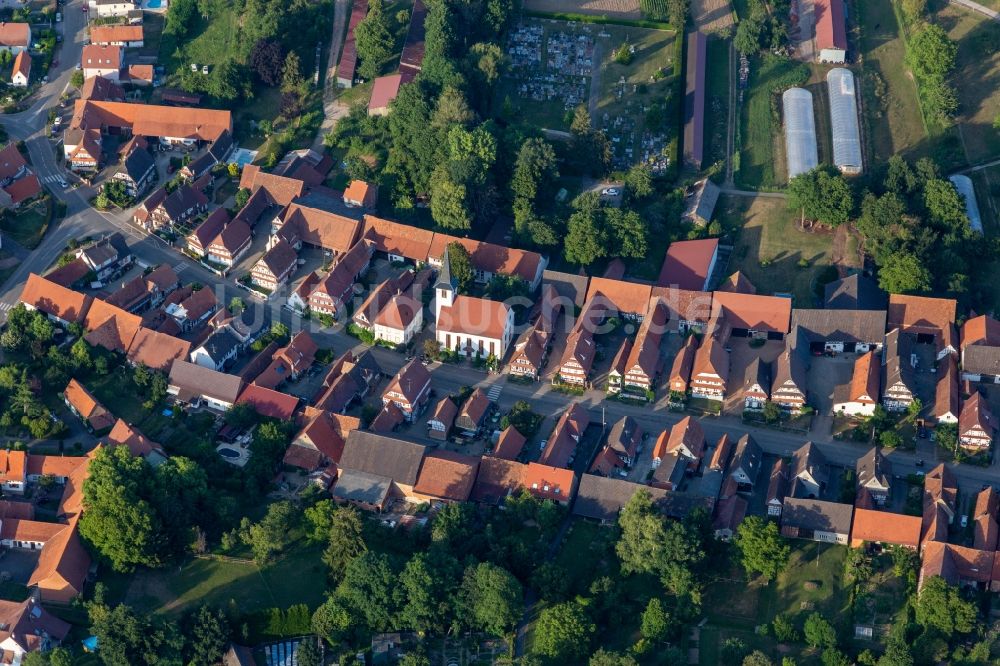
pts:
[746, 457]
[981, 359]
[811, 514]
[759, 372]
[138, 164]
[873, 465]
[106, 249]
[855, 292]
[808, 458]
[841, 325]
[195, 380]
[568, 285]
[896, 354]
[181, 199]
[602, 497]
[220, 343]
[386, 456]
[357, 486]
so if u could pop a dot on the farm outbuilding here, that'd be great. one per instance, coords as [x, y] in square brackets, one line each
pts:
[694, 100]
[844, 120]
[964, 186]
[800, 131]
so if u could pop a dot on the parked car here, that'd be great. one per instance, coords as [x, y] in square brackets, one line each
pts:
[965, 521]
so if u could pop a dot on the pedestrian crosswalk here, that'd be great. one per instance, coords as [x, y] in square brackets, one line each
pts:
[4, 307]
[49, 180]
[494, 392]
[180, 267]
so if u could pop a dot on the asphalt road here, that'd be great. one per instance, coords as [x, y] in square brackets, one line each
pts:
[82, 221]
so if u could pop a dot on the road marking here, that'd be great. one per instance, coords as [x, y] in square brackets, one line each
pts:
[180, 267]
[4, 307]
[494, 393]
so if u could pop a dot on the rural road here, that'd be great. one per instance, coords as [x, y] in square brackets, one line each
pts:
[332, 109]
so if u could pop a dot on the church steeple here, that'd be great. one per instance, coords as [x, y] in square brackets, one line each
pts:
[444, 290]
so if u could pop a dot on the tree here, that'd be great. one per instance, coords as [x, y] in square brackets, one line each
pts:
[932, 53]
[757, 658]
[903, 272]
[784, 630]
[890, 439]
[747, 39]
[291, 74]
[605, 658]
[308, 653]
[207, 633]
[461, 265]
[373, 38]
[267, 60]
[236, 305]
[268, 537]
[331, 620]
[629, 230]
[228, 81]
[564, 630]
[120, 521]
[76, 79]
[761, 547]
[586, 240]
[818, 632]
[448, 202]
[522, 418]
[834, 657]
[179, 17]
[655, 621]
[490, 599]
[127, 638]
[370, 587]
[941, 606]
[429, 583]
[639, 182]
[241, 197]
[346, 540]
[823, 195]
[534, 173]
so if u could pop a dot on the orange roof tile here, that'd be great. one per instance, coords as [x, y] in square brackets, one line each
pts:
[447, 475]
[110, 327]
[87, 406]
[865, 381]
[510, 444]
[53, 299]
[752, 311]
[547, 482]
[921, 314]
[628, 297]
[361, 191]
[475, 316]
[157, 350]
[152, 120]
[398, 239]
[268, 402]
[981, 330]
[319, 227]
[105, 34]
[886, 528]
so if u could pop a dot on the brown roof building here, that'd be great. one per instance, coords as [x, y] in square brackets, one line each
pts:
[447, 475]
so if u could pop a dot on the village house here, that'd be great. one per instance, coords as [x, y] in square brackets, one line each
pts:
[206, 232]
[156, 350]
[320, 442]
[620, 449]
[530, 352]
[790, 384]
[274, 268]
[137, 172]
[61, 305]
[839, 331]
[127, 36]
[874, 479]
[441, 421]
[106, 257]
[289, 362]
[898, 380]
[981, 350]
[110, 327]
[400, 320]
[409, 390]
[946, 392]
[641, 366]
[884, 529]
[468, 325]
[985, 529]
[509, 444]
[860, 396]
[393, 465]
[809, 473]
[104, 61]
[777, 487]
[560, 448]
[112, 8]
[86, 407]
[746, 463]
[217, 153]
[191, 309]
[20, 73]
[602, 499]
[473, 413]
[146, 291]
[929, 320]
[195, 385]
[826, 522]
[710, 371]
[218, 350]
[757, 385]
[976, 425]
[752, 315]
[15, 37]
[361, 194]
[26, 626]
[161, 210]
[680, 371]
[689, 264]
[940, 504]
[446, 476]
[230, 244]
[854, 292]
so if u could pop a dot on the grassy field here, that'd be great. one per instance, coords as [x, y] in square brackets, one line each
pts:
[987, 184]
[762, 149]
[890, 96]
[617, 95]
[765, 230]
[976, 79]
[717, 100]
[812, 582]
[27, 225]
[297, 577]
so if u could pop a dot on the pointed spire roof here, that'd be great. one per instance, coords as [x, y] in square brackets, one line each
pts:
[444, 275]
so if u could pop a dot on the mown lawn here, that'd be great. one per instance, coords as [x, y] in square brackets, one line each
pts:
[762, 148]
[890, 95]
[27, 225]
[765, 232]
[297, 577]
[976, 79]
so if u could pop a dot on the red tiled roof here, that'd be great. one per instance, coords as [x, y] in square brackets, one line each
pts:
[402, 240]
[475, 316]
[153, 120]
[752, 311]
[87, 406]
[102, 34]
[831, 32]
[157, 350]
[921, 314]
[551, 483]
[110, 327]
[11, 161]
[510, 444]
[628, 297]
[361, 191]
[15, 34]
[268, 402]
[54, 299]
[981, 330]
[687, 263]
[101, 57]
[886, 528]
[23, 189]
[447, 475]
[384, 91]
